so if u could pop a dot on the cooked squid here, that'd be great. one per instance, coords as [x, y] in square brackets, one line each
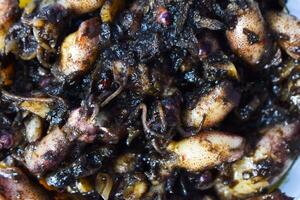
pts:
[248, 35]
[8, 14]
[33, 128]
[287, 31]
[212, 107]
[48, 153]
[205, 150]
[79, 50]
[16, 185]
[143, 99]
[263, 167]
[81, 6]
[41, 106]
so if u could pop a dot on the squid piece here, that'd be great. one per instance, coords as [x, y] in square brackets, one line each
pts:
[52, 149]
[80, 126]
[110, 9]
[40, 106]
[277, 137]
[212, 107]
[86, 128]
[48, 26]
[287, 28]
[15, 185]
[136, 191]
[79, 50]
[24, 3]
[104, 185]
[48, 153]
[205, 150]
[248, 38]
[265, 166]
[133, 186]
[125, 163]
[8, 14]
[33, 129]
[81, 6]
[48, 22]
[83, 185]
[221, 64]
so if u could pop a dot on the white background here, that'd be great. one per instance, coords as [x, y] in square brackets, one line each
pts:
[294, 7]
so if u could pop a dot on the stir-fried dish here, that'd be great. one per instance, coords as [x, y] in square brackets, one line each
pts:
[147, 99]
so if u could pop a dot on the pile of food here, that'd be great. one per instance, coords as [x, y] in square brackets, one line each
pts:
[147, 99]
